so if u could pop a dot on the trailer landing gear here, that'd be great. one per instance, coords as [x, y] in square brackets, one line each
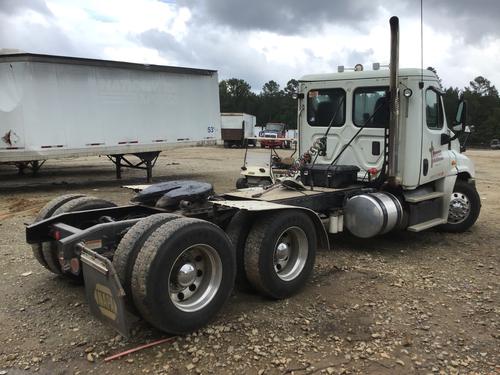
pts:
[33, 165]
[147, 161]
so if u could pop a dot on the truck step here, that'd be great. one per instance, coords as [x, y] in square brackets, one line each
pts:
[426, 225]
[424, 197]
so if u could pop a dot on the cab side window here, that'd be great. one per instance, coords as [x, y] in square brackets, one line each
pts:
[433, 110]
[371, 107]
[325, 104]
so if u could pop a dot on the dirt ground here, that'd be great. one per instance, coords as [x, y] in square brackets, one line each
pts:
[405, 303]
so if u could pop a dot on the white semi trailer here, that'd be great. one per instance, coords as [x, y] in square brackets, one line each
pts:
[59, 107]
[237, 128]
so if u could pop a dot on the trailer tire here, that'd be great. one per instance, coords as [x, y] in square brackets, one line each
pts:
[465, 206]
[130, 245]
[183, 275]
[46, 212]
[49, 249]
[237, 231]
[280, 252]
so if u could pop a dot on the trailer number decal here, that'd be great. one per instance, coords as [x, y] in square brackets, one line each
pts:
[105, 301]
[211, 129]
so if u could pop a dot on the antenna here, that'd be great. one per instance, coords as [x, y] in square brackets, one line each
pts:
[422, 41]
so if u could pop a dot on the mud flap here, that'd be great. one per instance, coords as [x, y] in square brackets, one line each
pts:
[104, 292]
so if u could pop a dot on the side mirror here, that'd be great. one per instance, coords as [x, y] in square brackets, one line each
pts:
[460, 117]
[445, 139]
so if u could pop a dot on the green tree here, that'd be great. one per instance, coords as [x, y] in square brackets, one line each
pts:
[483, 87]
[271, 105]
[236, 96]
[238, 88]
[271, 88]
[292, 86]
[484, 110]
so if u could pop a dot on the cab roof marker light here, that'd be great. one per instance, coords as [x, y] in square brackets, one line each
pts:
[378, 66]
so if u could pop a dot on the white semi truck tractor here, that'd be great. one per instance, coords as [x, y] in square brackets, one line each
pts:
[377, 156]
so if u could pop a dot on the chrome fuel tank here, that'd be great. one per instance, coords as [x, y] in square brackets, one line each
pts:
[367, 215]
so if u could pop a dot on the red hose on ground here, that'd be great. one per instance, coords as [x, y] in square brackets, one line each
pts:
[133, 350]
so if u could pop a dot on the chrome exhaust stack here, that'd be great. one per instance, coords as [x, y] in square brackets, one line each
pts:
[392, 172]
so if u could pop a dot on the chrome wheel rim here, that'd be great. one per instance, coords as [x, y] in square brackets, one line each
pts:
[459, 208]
[290, 253]
[195, 278]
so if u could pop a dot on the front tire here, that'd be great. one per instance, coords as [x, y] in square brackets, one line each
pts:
[465, 206]
[183, 275]
[280, 252]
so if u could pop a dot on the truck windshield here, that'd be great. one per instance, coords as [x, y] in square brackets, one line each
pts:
[322, 105]
[277, 127]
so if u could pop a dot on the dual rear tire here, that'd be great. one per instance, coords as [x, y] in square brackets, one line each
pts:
[274, 255]
[177, 272]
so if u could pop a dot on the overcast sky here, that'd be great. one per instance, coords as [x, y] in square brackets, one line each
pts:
[260, 40]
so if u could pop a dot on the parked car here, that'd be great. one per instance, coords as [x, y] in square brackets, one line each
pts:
[495, 144]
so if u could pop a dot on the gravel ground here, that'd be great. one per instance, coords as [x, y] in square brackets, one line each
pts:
[405, 303]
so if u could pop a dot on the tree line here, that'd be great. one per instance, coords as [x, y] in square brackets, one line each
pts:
[275, 104]
[483, 109]
[272, 104]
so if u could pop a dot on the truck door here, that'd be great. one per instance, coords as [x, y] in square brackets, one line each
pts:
[435, 160]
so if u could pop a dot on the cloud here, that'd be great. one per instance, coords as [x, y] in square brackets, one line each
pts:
[29, 25]
[166, 44]
[261, 40]
[470, 21]
[11, 7]
[288, 17]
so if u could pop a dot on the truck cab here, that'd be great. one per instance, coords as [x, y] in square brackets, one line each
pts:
[274, 134]
[355, 106]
